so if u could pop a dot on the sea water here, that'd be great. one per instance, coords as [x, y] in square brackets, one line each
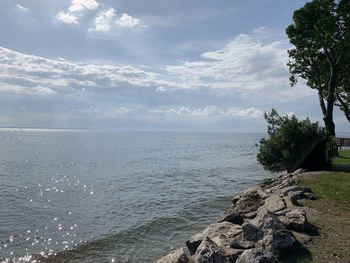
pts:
[92, 196]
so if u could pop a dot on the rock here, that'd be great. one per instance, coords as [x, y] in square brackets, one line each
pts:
[233, 217]
[267, 220]
[294, 196]
[248, 203]
[274, 203]
[252, 232]
[293, 188]
[266, 182]
[235, 199]
[299, 171]
[242, 244]
[282, 212]
[256, 256]
[279, 242]
[209, 252]
[262, 194]
[223, 230]
[176, 256]
[250, 215]
[296, 220]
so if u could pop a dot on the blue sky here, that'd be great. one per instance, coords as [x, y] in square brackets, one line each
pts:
[184, 65]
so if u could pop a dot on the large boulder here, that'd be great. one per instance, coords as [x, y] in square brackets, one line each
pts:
[252, 232]
[233, 217]
[209, 252]
[274, 203]
[176, 256]
[296, 220]
[256, 256]
[267, 220]
[279, 242]
[224, 230]
[248, 203]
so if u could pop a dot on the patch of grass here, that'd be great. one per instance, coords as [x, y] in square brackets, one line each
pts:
[342, 159]
[334, 187]
[333, 220]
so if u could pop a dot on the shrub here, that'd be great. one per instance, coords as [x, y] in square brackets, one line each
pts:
[288, 138]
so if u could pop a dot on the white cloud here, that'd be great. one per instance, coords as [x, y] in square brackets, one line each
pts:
[22, 8]
[128, 21]
[75, 10]
[210, 112]
[60, 75]
[81, 5]
[103, 20]
[67, 18]
[43, 90]
[245, 64]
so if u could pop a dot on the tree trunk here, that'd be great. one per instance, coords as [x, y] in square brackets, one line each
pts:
[329, 124]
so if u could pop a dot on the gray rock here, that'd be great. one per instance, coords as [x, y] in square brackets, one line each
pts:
[248, 203]
[279, 242]
[296, 220]
[209, 252]
[241, 244]
[274, 203]
[266, 182]
[250, 215]
[224, 230]
[256, 256]
[176, 256]
[252, 232]
[267, 220]
[262, 194]
[282, 212]
[293, 188]
[295, 196]
[233, 217]
[235, 199]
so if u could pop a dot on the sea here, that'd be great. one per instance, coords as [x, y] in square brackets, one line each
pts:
[96, 196]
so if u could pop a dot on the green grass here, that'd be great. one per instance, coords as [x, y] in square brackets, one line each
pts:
[342, 159]
[333, 219]
[333, 186]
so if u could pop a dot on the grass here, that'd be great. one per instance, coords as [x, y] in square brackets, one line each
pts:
[342, 159]
[333, 220]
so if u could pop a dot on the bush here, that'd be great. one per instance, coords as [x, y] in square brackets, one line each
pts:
[288, 139]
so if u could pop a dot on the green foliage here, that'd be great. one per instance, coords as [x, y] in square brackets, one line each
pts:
[288, 139]
[320, 35]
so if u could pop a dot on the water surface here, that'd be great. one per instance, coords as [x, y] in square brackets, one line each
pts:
[83, 196]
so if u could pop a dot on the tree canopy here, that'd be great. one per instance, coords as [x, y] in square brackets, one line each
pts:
[288, 139]
[321, 54]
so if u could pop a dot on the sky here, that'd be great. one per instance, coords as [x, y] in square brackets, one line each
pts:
[176, 65]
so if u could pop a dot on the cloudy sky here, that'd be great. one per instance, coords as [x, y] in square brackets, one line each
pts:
[183, 65]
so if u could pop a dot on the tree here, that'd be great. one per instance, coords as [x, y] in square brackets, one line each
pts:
[321, 54]
[288, 140]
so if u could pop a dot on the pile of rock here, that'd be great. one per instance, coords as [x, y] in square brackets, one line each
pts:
[265, 223]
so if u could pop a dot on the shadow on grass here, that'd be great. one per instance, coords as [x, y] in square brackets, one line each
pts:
[339, 168]
[302, 254]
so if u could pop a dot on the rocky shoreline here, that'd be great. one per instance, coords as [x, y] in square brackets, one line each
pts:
[265, 223]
